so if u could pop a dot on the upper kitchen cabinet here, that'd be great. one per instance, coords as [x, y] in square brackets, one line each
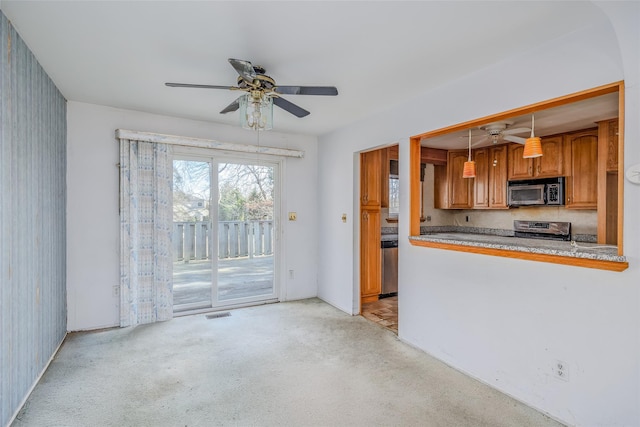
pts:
[458, 188]
[433, 155]
[498, 176]
[550, 165]
[481, 181]
[371, 178]
[385, 171]
[490, 183]
[582, 183]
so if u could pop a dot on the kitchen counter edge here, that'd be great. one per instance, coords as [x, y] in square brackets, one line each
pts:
[531, 246]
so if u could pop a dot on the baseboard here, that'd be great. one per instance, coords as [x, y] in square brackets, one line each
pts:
[35, 383]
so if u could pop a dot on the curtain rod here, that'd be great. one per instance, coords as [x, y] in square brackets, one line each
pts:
[205, 143]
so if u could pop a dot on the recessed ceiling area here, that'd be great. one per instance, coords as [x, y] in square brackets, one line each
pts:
[562, 119]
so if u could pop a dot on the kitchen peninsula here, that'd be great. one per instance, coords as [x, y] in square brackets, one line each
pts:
[582, 254]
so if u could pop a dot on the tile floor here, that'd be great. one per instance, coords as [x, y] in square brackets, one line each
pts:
[384, 312]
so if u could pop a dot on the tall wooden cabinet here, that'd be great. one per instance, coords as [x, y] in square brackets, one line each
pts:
[370, 255]
[371, 183]
[608, 181]
[582, 183]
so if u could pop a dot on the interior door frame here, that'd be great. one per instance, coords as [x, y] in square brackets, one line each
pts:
[215, 157]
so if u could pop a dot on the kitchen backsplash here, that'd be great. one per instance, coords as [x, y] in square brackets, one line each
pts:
[583, 222]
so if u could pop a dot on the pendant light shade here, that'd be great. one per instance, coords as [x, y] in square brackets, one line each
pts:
[469, 169]
[532, 145]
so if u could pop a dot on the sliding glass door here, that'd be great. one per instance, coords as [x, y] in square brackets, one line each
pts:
[224, 238]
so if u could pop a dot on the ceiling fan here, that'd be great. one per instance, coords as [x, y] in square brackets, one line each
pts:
[252, 79]
[497, 131]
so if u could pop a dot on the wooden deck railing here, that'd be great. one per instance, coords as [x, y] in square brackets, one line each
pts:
[191, 240]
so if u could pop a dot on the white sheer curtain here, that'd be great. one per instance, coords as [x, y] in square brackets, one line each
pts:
[146, 217]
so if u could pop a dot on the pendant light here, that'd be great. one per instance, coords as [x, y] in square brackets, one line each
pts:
[532, 145]
[469, 169]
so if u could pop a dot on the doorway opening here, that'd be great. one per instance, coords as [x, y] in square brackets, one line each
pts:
[224, 238]
[379, 212]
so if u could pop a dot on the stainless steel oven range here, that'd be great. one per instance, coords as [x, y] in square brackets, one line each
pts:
[552, 230]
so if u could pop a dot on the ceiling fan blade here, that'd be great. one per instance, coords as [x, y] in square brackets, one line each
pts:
[516, 130]
[232, 107]
[481, 141]
[197, 86]
[514, 139]
[306, 90]
[244, 68]
[290, 107]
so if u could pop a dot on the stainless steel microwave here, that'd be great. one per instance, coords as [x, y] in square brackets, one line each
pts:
[536, 192]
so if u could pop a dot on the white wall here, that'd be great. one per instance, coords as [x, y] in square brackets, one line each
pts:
[93, 232]
[506, 321]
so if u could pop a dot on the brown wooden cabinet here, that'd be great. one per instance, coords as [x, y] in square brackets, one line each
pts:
[519, 168]
[488, 190]
[440, 192]
[435, 156]
[371, 181]
[608, 130]
[582, 183]
[370, 255]
[459, 189]
[608, 194]
[384, 178]
[498, 176]
[481, 181]
[371, 178]
[490, 183]
[548, 166]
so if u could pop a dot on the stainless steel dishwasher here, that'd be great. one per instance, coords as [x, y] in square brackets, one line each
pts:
[389, 267]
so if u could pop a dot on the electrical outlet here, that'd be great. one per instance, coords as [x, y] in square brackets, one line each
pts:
[292, 216]
[116, 290]
[344, 217]
[467, 218]
[290, 274]
[561, 370]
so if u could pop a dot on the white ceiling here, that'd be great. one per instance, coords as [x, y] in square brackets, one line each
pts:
[378, 54]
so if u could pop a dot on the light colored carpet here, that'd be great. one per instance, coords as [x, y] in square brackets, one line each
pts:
[301, 363]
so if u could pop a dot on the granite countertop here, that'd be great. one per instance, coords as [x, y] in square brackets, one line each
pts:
[550, 247]
[389, 236]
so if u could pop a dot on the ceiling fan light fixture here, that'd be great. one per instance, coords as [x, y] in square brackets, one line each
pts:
[532, 145]
[469, 167]
[256, 111]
